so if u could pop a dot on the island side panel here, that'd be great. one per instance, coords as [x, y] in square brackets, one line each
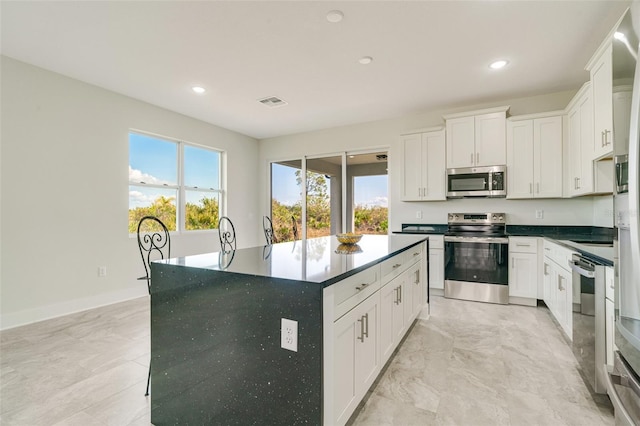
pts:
[215, 349]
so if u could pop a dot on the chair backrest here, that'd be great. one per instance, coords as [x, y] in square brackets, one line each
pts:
[295, 227]
[154, 242]
[267, 225]
[227, 234]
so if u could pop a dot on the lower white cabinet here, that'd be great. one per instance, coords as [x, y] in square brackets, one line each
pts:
[436, 262]
[523, 268]
[392, 324]
[557, 285]
[367, 315]
[609, 315]
[356, 356]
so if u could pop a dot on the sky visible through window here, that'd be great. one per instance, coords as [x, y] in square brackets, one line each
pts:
[370, 190]
[155, 161]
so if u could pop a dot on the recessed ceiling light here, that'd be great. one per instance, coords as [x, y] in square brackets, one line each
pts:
[198, 89]
[498, 64]
[365, 60]
[352, 156]
[335, 16]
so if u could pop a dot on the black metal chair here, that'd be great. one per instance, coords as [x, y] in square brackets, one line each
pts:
[154, 243]
[227, 234]
[294, 227]
[267, 226]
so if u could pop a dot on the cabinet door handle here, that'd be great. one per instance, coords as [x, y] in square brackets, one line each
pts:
[397, 301]
[472, 158]
[366, 328]
[545, 270]
[400, 291]
[417, 276]
[560, 283]
[578, 179]
[361, 321]
[361, 286]
[602, 138]
[607, 138]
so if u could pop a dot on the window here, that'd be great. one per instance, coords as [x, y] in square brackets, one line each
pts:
[174, 181]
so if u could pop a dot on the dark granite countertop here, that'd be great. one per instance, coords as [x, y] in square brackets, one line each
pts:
[579, 238]
[313, 260]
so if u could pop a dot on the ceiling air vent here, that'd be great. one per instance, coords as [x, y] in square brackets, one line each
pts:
[272, 102]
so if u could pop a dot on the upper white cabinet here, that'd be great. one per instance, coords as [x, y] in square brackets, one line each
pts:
[424, 166]
[476, 138]
[601, 72]
[534, 156]
[580, 143]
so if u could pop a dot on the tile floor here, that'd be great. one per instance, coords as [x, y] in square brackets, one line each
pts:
[469, 364]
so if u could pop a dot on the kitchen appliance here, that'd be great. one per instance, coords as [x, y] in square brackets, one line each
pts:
[490, 181]
[622, 173]
[623, 381]
[588, 342]
[476, 257]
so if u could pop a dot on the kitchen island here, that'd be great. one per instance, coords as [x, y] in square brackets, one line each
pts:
[216, 319]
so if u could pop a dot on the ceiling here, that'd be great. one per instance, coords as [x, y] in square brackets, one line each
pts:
[426, 54]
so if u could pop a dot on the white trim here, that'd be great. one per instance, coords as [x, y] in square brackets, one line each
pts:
[423, 130]
[30, 316]
[537, 115]
[477, 112]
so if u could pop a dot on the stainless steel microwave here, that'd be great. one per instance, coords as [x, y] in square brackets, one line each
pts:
[490, 181]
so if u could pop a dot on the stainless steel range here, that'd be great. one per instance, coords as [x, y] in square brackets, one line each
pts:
[476, 257]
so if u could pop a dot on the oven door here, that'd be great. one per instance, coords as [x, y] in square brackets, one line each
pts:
[477, 268]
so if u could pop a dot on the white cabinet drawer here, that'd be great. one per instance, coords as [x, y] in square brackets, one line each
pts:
[558, 254]
[392, 267]
[523, 245]
[414, 254]
[354, 289]
[436, 242]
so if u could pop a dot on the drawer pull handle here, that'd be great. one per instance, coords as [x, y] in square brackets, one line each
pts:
[416, 254]
[522, 245]
[361, 286]
[397, 265]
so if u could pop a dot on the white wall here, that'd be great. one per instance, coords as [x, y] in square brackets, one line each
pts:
[64, 180]
[385, 134]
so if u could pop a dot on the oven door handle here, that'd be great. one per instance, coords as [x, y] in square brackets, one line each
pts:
[588, 273]
[493, 240]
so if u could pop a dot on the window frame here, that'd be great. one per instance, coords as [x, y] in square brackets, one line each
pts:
[180, 188]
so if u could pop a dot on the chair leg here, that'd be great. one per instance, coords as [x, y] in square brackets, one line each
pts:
[148, 380]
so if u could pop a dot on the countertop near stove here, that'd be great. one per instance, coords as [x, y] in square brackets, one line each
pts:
[579, 238]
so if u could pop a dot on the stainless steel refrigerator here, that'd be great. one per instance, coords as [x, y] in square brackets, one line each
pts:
[623, 381]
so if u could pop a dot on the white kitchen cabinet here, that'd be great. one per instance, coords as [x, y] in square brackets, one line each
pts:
[580, 143]
[524, 269]
[392, 324]
[609, 315]
[557, 285]
[357, 359]
[436, 263]
[476, 138]
[424, 166]
[367, 315]
[601, 72]
[534, 156]
[621, 118]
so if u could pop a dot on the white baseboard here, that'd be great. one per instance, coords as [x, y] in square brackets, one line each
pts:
[29, 316]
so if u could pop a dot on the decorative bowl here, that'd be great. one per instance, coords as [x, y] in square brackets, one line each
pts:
[348, 249]
[349, 238]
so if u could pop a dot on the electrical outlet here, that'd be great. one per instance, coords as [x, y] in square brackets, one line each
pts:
[289, 335]
[419, 214]
[102, 271]
[539, 214]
